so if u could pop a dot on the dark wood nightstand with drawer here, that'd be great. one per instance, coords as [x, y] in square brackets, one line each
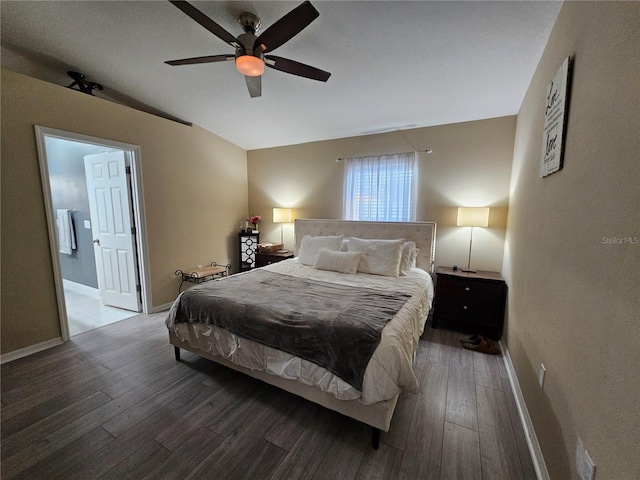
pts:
[473, 301]
[267, 258]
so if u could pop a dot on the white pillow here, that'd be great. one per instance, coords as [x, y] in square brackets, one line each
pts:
[379, 257]
[343, 262]
[414, 257]
[310, 246]
[409, 255]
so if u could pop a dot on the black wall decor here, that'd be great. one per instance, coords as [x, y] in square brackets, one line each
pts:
[85, 86]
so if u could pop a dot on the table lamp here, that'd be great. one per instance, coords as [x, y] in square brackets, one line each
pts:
[472, 217]
[282, 216]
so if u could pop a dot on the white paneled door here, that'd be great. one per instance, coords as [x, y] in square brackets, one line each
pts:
[112, 229]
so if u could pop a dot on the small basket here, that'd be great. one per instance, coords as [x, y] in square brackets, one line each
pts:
[269, 247]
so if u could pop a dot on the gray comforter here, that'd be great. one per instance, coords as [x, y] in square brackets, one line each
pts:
[335, 326]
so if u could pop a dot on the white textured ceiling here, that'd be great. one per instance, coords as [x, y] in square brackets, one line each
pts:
[394, 64]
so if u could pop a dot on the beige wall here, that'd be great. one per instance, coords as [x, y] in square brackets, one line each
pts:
[195, 194]
[573, 297]
[470, 166]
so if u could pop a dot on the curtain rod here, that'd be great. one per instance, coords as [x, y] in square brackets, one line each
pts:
[427, 151]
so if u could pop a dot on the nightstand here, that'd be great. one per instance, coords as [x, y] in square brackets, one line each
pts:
[267, 258]
[474, 302]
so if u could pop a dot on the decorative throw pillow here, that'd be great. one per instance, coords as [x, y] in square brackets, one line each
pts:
[343, 262]
[379, 257]
[310, 246]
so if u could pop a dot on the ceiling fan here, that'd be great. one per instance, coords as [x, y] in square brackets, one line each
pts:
[250, 56]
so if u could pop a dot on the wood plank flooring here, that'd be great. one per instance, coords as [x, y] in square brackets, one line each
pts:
[114, 404]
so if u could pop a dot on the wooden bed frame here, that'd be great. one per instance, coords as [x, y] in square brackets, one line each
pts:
[377, 415]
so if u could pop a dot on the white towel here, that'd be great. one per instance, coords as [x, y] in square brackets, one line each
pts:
[66, 236]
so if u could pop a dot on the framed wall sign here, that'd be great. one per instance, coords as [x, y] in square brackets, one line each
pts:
[555, 120]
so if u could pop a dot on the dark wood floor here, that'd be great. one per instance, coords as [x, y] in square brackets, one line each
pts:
[114, 404]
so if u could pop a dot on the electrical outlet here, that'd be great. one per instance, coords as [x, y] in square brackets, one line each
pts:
[584, 464]
[199, 266]
[541, 373]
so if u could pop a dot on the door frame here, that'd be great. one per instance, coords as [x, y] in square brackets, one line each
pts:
[137, 199]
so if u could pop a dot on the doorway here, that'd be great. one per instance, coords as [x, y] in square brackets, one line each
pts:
[85, 298]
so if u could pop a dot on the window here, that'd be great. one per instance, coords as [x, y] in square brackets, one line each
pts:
[381, 188]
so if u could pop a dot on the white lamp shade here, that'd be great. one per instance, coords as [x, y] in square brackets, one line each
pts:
[281, 215]
[473, 217]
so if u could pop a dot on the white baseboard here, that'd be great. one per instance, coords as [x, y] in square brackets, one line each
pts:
[161, 308]
[30, 350]
[81, 289]
[532, 441]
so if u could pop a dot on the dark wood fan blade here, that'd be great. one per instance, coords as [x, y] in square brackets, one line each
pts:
[296, 68]
[287, 27]
[254, 84]
[206, 22]
[207, 59]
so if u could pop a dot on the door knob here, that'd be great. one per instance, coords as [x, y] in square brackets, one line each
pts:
[96, 240]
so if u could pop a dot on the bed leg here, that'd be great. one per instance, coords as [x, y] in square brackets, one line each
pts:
[375, 438]
[176, 350]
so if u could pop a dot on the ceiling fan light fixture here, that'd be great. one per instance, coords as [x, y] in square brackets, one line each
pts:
[250, 65]
[250, 55]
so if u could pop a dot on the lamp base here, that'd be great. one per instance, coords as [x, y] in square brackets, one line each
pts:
[468, 270]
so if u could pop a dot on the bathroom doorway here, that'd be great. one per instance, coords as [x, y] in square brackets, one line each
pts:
[85, 291]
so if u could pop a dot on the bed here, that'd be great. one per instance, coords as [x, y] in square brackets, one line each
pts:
[363, 383]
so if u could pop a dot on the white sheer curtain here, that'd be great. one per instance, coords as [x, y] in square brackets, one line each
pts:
[381, 188]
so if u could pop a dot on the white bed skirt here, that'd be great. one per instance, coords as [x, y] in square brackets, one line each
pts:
[377, 415]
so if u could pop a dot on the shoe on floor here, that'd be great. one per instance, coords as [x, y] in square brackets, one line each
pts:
[473, 339]
[485, 346]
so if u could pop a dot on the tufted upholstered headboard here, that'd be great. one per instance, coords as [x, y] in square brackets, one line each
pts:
[423, 233]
